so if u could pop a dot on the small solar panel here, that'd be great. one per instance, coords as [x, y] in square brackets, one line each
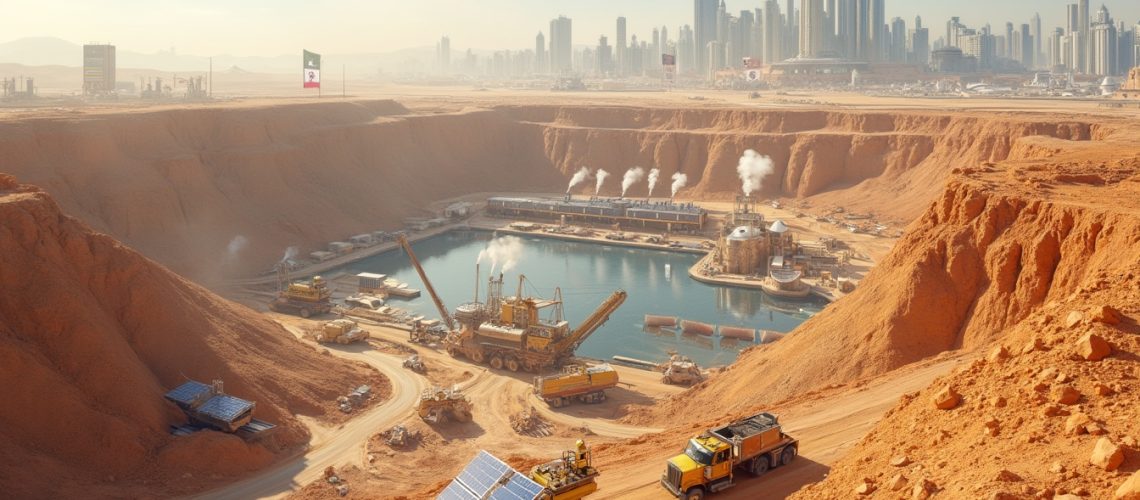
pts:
[225, 407]
[488, 477]
[518, 487]
[187, 393]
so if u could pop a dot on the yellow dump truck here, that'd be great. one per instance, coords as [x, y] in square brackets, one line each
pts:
[576, 383]
[303, 299]
[341, 331]
[710, 461]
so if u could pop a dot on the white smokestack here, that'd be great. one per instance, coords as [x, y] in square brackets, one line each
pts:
[579, 176]
[631, 177]
[679, 181]
[753, 168]
[653, 175]
[601, 176]
[504, 250]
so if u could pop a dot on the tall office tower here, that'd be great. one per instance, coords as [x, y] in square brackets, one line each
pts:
[655, 47]
[951, 39]
[540, 64]
[745, 38]
[790, 16]
[1125, 40]
[1077, 46]
[1056, 52]
[721, 23]
[1083, 24]
[898, 41]
[704, 30]
[1026, 45]
[773, 32]
[1066, 51]
[1009, 43]
[879, 40]
[560, 45]
[811, 29]
[845, 31]
[829, 43]
[99, 69]
[1104, 44]
[1035, 31]
[686, 60]
[920, 43]
[619, 48]
[732, 54]
[1072, 19]
[758, 34]
[716, 59]
[664, 40]
[862, 27]
[443, 55]
[1136, 45]
[603, 56]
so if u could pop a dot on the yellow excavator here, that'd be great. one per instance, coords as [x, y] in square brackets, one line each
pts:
[569, 478]
[507, 332]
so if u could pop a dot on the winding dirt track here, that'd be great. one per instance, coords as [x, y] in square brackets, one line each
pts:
[336, 446]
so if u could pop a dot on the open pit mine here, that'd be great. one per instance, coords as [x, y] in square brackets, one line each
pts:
[508, 297]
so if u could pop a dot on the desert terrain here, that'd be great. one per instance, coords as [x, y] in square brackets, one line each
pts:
[991, 351]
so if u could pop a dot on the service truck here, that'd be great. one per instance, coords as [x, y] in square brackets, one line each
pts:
[710, 461]
[576, 383]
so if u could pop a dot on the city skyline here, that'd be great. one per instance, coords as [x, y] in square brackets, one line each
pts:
[261, 27]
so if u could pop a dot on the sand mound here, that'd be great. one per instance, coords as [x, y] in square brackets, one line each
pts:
[91, 336]
[1037, 417]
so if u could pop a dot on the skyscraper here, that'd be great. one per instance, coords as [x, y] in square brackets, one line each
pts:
[620, 47]
[686, 60]
[811, 28]
[862, 27]
[1083, 25]
[704, 30]
[715, 58]
[1035, 31]
[898, 41]
[879, 39]
[603, 56]
[1026, 45]
[773, 32]
[540, 63]
[443, 55]
[920, 43]
[1072, 21]
[1104, 45]
[1009, 42]
[560, 45]
[745, 37]
[845, 28]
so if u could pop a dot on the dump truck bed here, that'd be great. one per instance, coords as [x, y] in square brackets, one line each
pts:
[592, 379]
[754, 435]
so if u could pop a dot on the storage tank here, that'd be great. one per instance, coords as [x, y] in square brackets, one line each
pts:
[503, 335]
[746, 251]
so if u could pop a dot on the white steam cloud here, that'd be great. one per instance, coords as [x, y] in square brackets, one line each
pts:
[290, 254]
[579, 176]
[235, 246]
[679, 181]
[601, 176]
[632, 176]
[654, 174]
[503, 252]
[753, 168]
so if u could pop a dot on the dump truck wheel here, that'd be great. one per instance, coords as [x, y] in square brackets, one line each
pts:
[305, 312]
[759, 466]
[695, 494]
[666, 381]
[497, 362]
[556, 402]
[788, 455]
[477, 356]
[512, 364]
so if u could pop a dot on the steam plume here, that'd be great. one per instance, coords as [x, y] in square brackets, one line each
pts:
[601, 176]
[579, 176]
[632, 176]
[679, 181]
[653, 175]
[290, 254]
[235, 246]
[504, 251]
[753, 168]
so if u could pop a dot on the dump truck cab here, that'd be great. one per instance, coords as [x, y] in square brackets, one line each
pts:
[708, 462]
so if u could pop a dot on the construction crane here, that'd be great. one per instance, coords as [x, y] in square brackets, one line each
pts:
[596, 319]
[443, 311]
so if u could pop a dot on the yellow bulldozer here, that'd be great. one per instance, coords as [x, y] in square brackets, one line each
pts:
[439, 406]
[341, 331]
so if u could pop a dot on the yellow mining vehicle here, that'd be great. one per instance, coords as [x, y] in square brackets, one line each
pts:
[303, 299]
[341, 331]
[569, 478]
[439, 406]
[507, 332]
[576, 383]
[709, 462]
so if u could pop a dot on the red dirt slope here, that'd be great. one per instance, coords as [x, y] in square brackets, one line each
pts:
[91, 336]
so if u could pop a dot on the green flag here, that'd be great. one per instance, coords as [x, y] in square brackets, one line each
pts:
[311, 73]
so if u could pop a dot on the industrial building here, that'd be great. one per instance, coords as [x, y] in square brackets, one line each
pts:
[629, 213]
[98, 69]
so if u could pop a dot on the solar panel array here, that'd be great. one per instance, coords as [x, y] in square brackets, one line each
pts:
[487, 477]
[225, 407]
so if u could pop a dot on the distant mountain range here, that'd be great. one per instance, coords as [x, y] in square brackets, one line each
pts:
[43, 51]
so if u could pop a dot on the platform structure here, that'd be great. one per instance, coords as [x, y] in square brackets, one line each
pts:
[662, 215]
[208, 406]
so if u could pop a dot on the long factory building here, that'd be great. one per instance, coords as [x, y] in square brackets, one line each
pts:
[628, 213]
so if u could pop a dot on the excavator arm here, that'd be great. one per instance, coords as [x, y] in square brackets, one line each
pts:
[443, 312]
[593, 322]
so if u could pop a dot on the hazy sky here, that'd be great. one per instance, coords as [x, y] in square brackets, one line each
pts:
[273, 27]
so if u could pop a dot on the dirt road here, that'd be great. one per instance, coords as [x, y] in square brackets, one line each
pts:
[336, 446]
[827, 425]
